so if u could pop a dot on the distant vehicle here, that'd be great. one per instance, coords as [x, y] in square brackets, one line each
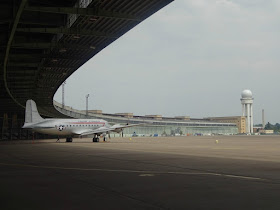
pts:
[69, 127]
[155, 135]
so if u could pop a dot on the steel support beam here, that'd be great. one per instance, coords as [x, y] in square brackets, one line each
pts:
[67, 31]
[22, 71]
[48, 45]
[20, 77]
[15, 57]
[56, 23]
[84, 12]
[24, 90]
[5, 21]
[11, 37]
[22, 64]
[21, 82]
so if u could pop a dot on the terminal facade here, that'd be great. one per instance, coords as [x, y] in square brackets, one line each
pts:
[158, 125]
[239, 121]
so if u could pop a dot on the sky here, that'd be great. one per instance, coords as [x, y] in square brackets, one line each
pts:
[192, 58]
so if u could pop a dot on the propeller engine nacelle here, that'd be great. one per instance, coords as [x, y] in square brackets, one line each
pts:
[103, 134]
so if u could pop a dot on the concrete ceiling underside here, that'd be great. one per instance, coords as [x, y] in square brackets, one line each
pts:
[42, 42]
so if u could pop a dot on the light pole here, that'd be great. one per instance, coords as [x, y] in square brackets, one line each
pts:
[63, 84]
[87, 104]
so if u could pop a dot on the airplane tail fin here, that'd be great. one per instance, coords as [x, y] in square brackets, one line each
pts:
[31, 114]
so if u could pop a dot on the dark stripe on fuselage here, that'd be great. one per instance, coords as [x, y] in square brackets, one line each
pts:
[101, 123]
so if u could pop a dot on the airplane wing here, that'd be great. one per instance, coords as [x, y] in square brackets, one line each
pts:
[118, 126]
[95, 131]
[115, 128]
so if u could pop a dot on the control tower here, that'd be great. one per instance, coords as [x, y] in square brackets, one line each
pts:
[247, 109]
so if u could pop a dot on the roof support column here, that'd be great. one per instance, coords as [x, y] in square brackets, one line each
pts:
[16, 21]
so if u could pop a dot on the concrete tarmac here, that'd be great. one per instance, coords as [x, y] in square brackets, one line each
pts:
[207, 172]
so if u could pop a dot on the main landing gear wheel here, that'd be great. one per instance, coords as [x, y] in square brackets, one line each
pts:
[69, 139]
[95, 140]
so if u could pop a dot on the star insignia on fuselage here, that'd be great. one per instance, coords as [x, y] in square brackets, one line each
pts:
[61, 127]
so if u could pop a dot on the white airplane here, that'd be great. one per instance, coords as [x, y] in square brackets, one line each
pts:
[69, 127]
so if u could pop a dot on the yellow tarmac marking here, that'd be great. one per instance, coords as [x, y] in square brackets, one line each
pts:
[142, 173]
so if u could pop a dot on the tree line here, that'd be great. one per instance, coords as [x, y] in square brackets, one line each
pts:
[270, 126]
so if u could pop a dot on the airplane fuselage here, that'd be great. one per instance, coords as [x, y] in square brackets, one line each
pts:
[67, 127]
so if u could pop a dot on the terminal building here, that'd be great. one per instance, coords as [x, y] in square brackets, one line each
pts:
[239, 121]
[158, 125]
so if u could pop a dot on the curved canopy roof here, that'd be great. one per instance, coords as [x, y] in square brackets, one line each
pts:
[42, 42]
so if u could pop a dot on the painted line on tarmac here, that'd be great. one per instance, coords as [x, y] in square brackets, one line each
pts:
[180, 153]
[139, 171]
[243, 177]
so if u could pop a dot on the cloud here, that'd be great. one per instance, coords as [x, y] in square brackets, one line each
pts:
[192, 57]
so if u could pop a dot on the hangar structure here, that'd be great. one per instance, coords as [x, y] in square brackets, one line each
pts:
[42, 42]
